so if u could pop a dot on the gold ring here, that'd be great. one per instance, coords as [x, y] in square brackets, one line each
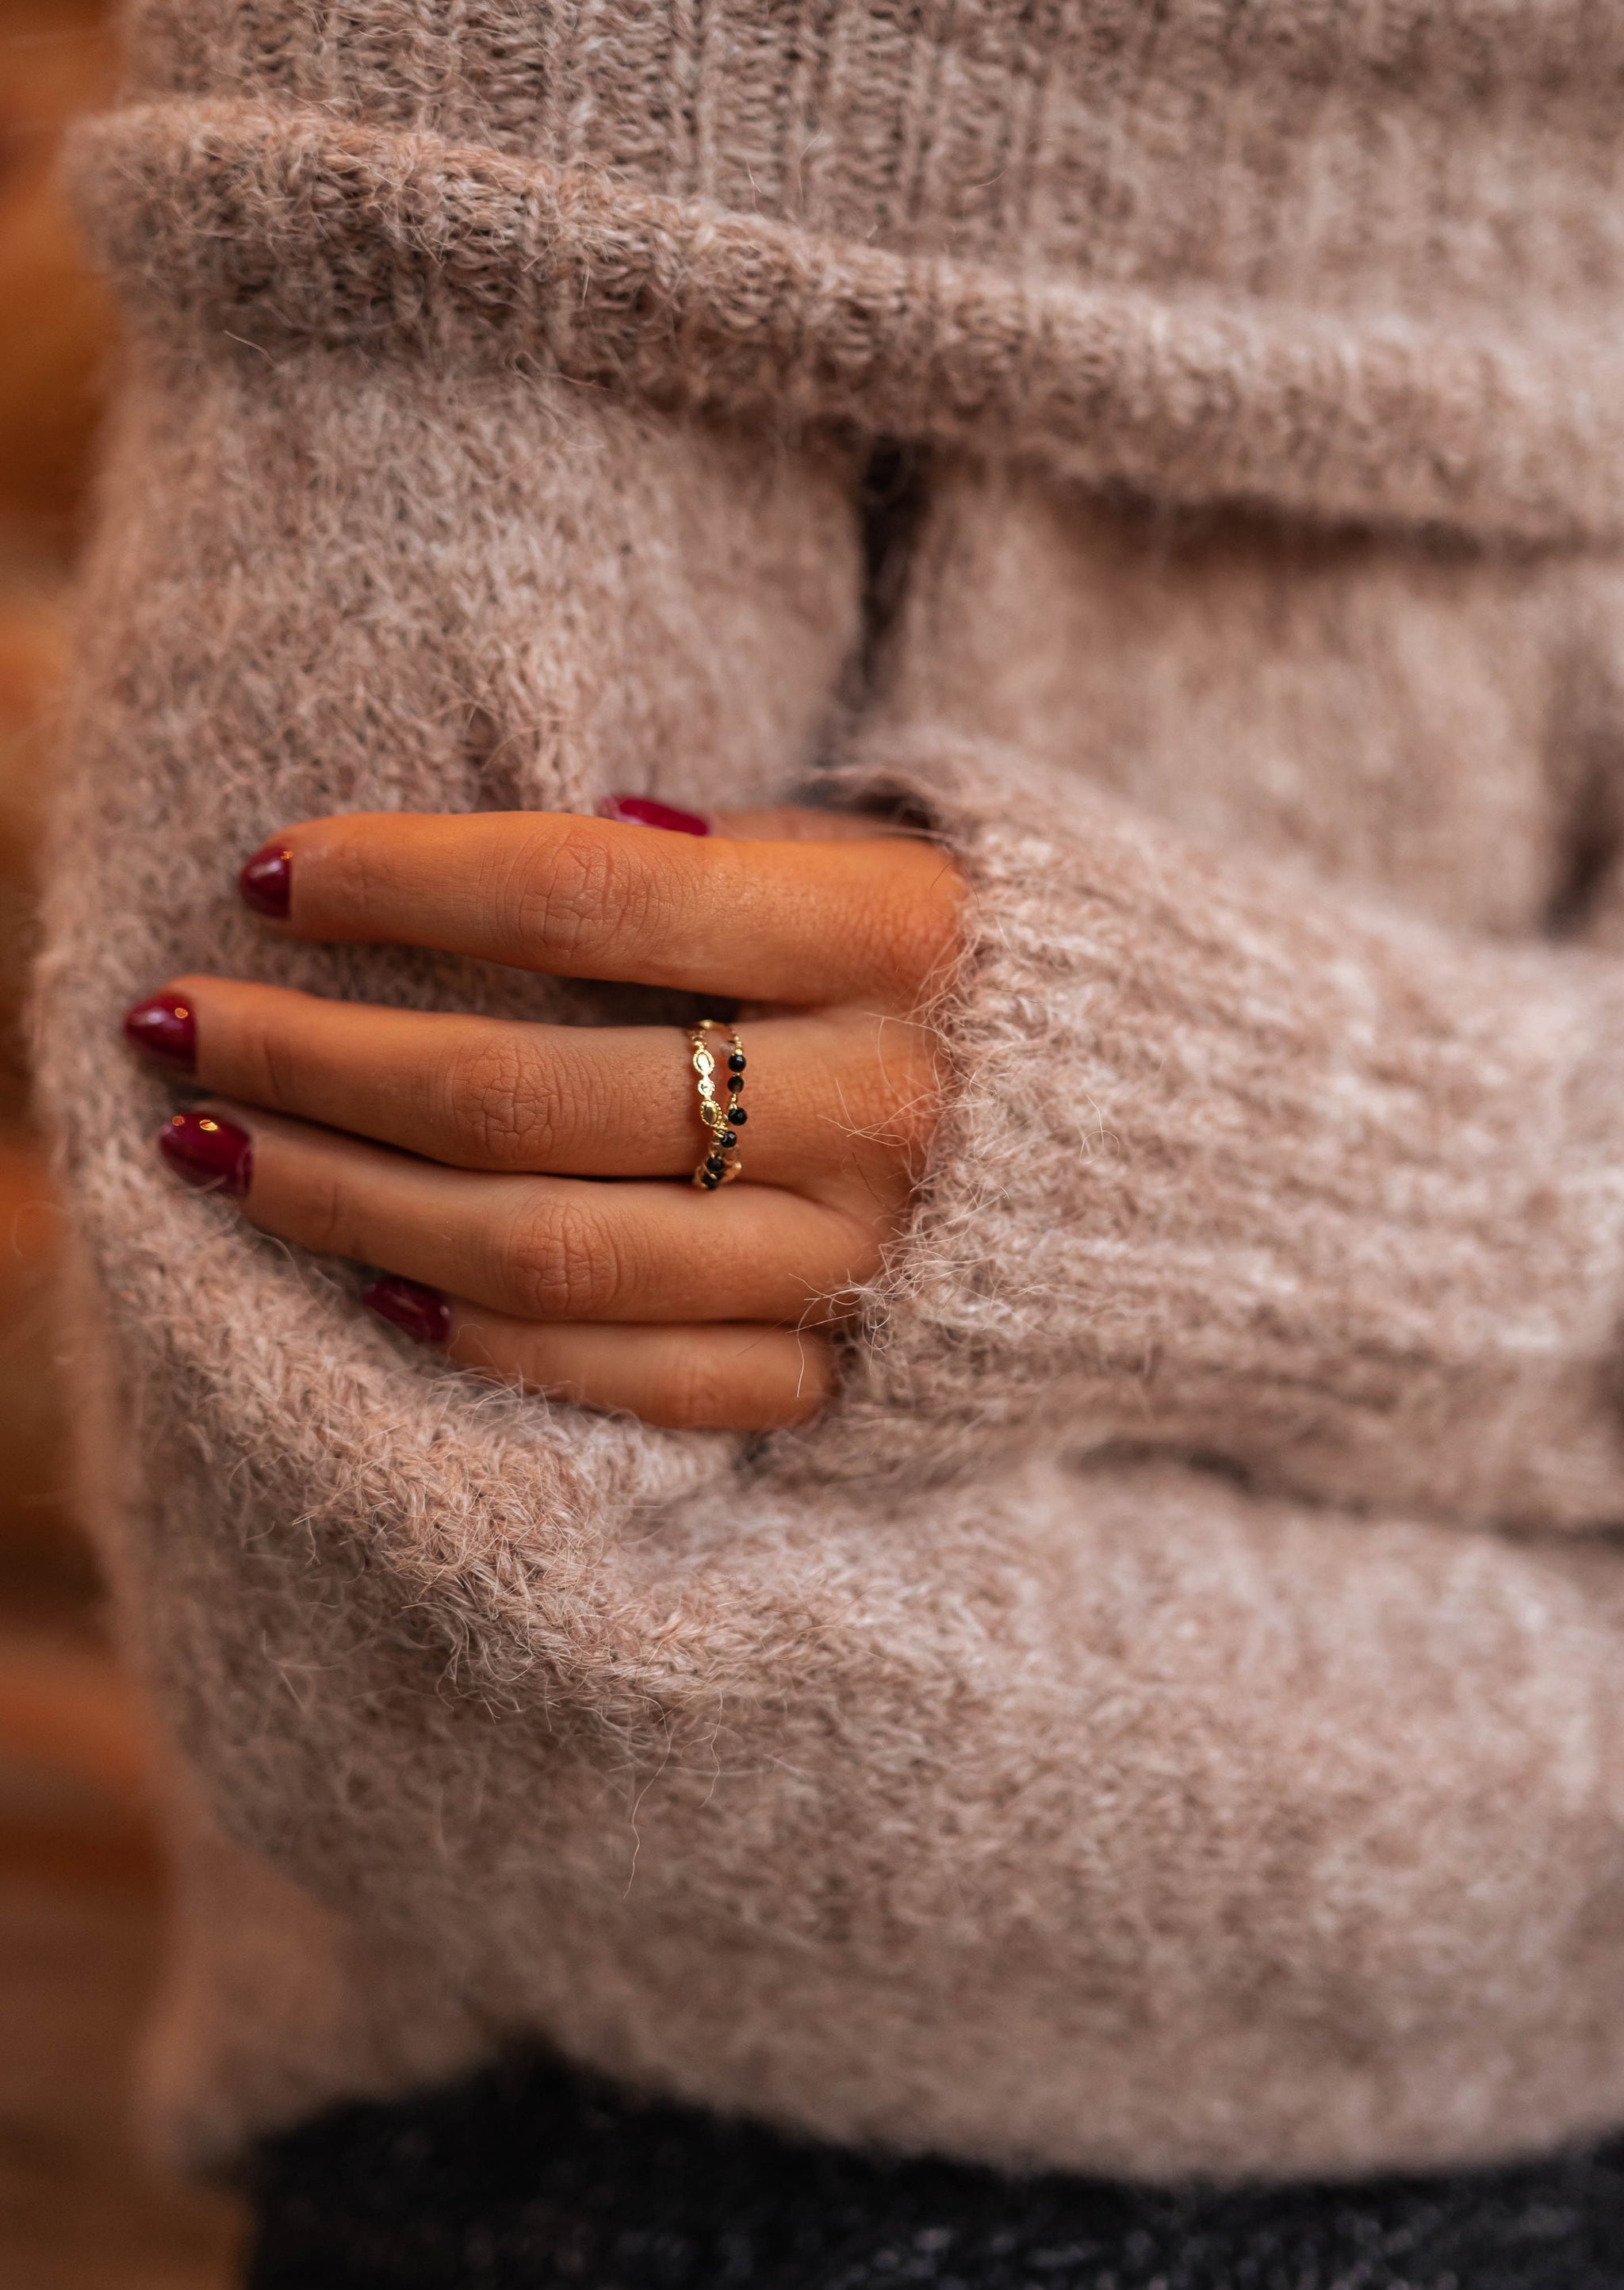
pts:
[719, 1163]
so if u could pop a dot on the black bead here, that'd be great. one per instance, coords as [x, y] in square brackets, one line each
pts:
[735, 1061]
[725, 1138]
[714, 1163]
[709, 1183]
[736, 1115]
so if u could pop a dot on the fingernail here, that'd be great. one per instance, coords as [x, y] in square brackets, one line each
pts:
[215, 1156]
[165, 1028]
[266, 883]
[648, 811]
[421, 1313]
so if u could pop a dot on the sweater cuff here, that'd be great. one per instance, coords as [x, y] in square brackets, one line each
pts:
[1236, 1168]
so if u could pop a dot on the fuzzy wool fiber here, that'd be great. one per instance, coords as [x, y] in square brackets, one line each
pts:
[1169, 1718]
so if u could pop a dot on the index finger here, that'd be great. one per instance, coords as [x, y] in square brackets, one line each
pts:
[865, 922]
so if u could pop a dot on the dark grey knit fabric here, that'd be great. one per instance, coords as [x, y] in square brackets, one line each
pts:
[530, 2177]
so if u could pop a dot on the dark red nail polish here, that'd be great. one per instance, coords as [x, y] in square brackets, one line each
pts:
[165, 1029]
[421, 1313]
[648, 811]
[266, 882]
[215, 1156]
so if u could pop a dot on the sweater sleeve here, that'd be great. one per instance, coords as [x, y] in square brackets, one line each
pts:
[1235, 1167]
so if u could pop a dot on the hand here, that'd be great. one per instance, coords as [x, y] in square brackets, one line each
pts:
[461, 1155]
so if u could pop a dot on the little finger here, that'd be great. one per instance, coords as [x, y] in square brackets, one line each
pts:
[721, 1376]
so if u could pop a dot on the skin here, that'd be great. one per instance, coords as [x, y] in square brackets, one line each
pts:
[468, 1154]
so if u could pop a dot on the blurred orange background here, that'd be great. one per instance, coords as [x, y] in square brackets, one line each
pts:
[81, 1891]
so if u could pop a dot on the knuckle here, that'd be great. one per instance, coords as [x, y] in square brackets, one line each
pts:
[326, 1209]
[357, 864]
[919, 923]
[892, 1099]
[702, 1388]
[785, 1378]
[563, 1263]
[290, 1075]
[253, 1046]
[578, 894]
[808, 1381]
[855, 1253]
[909, 1089]
[496, 1104]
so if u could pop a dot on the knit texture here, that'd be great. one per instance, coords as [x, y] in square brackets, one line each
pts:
[1168, 1718]
[1310, 1189]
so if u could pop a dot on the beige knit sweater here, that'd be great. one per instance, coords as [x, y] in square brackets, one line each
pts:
[1171, 1715]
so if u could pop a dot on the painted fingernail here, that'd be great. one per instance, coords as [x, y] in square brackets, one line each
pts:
[648, 811]
[215, 1156]
[266, 883]
[419, 1312]
[165, 1029]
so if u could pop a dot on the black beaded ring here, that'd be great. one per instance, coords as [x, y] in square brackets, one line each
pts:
[720, 1164]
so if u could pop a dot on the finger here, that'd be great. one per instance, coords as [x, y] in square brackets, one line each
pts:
[536, 1248]
[726, 1376]
[868, 922]
[836, 1097]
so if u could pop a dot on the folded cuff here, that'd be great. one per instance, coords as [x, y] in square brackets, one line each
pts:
[1235, 1168]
